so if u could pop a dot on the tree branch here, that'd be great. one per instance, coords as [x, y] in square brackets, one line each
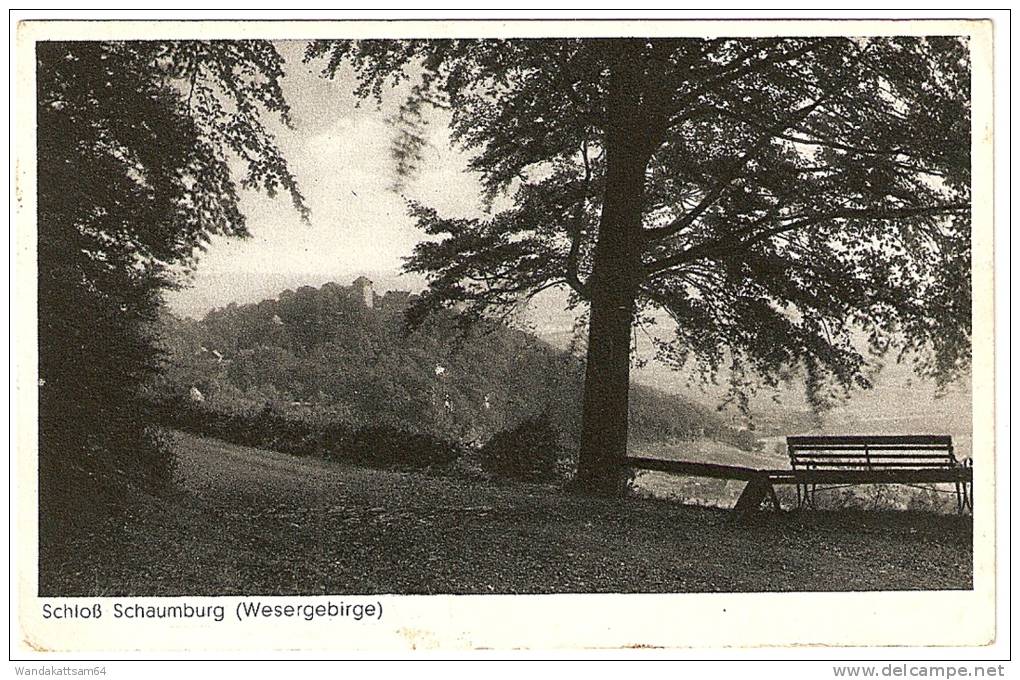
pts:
[728, 246]
[731, 73]
[796, 117]
[734, 172]
[577, 228]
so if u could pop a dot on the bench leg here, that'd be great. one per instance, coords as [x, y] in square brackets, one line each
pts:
[805, 496]
[964, 497]
[755, 492]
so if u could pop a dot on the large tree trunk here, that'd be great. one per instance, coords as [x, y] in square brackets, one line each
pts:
[616, 273]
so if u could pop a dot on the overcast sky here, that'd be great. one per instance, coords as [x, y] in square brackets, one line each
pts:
[340, 156]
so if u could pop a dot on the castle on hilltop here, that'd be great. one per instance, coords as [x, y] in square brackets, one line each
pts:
[361, 290]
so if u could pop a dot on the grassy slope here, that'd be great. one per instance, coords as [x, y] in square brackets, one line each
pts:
[247, 521]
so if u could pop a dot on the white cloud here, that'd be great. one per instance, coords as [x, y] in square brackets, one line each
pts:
[340, 155]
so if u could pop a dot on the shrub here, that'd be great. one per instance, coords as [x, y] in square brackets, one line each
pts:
[530, 451]
[271, 428]
[745, 440]
[383, 446]
[80, 486]
[122, 451]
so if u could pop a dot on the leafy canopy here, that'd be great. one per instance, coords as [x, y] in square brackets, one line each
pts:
[800, 191]
[136, 143]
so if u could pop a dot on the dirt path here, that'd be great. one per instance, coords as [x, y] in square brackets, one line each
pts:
[246, 521]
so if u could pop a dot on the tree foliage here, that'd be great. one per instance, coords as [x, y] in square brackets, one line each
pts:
[797, 192]
[137, 146]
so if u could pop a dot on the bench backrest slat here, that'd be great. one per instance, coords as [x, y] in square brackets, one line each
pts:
[871, 451]
[937, 440]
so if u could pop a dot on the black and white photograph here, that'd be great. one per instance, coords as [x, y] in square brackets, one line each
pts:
[461, 310]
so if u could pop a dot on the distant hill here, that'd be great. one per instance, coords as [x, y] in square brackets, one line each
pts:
[343, 353]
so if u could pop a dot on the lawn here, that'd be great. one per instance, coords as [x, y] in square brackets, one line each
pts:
[249, 521]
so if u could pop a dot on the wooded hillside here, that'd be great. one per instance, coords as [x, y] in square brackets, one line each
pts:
[324, 355]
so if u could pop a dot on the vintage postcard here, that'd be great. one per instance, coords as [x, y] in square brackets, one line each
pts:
[513, 335]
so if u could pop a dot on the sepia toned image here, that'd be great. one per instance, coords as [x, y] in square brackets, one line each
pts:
[361, 311]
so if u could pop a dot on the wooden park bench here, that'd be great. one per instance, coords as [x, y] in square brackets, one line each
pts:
[823, 462]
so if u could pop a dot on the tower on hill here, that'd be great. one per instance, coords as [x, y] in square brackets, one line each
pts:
[363, 291]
